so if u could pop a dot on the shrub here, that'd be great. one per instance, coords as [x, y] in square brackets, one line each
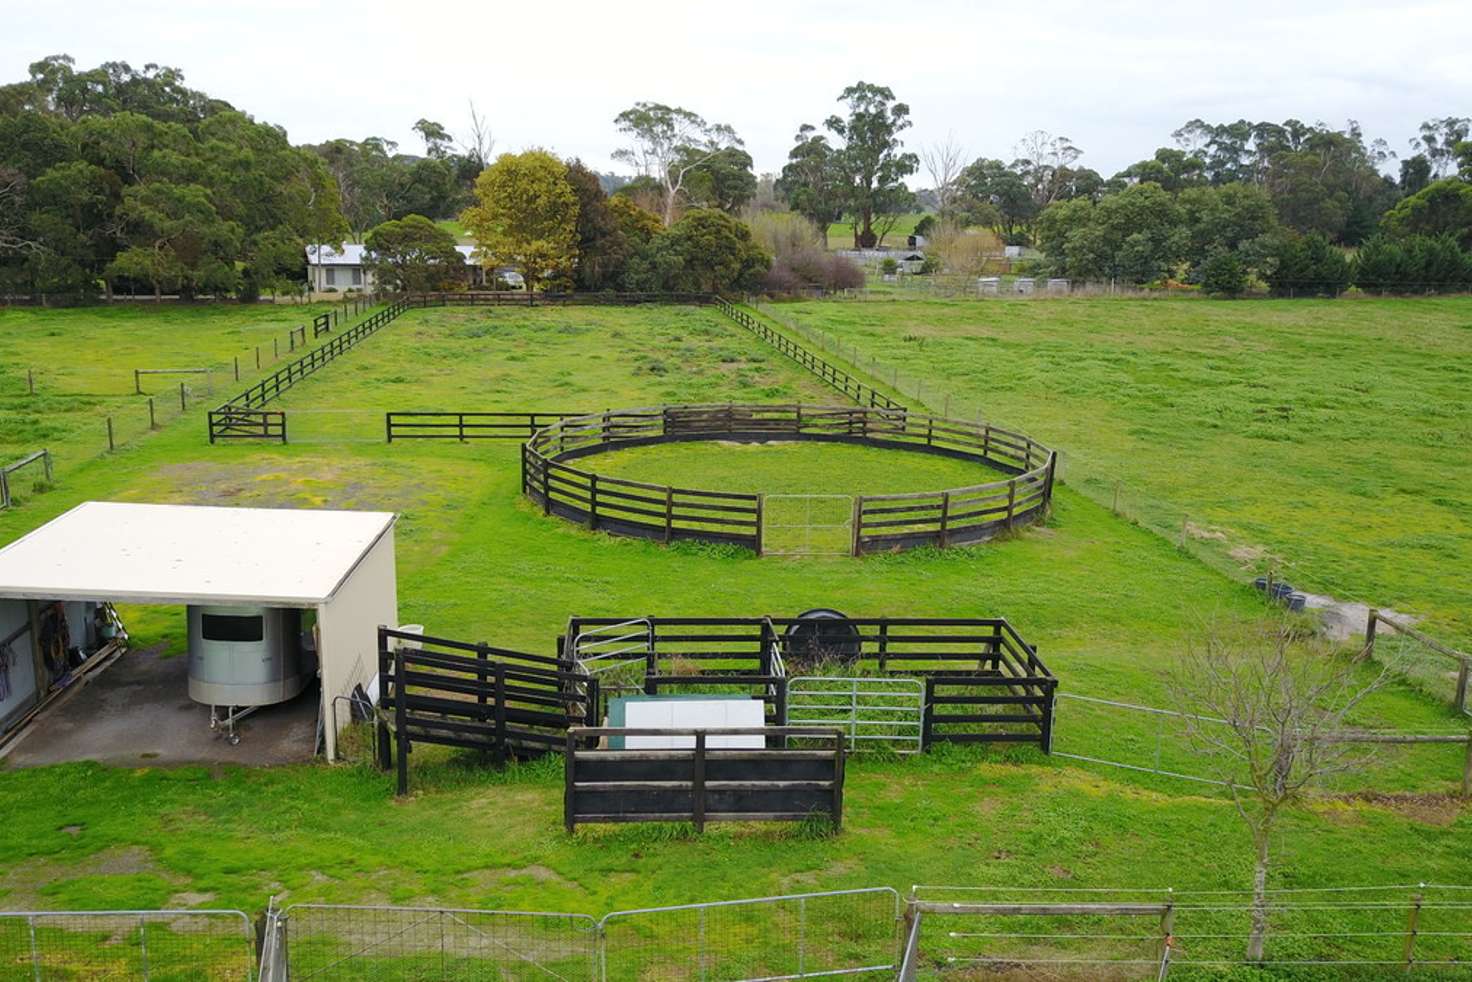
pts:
[1308, 266]
[1416, 264]
[888, 266]
[1223, 274]
[812, 268]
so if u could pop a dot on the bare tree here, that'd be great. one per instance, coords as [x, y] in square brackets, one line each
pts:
[1040, 156]
[944, 163]
[1268, 714]
[481, 144]
[668, 143]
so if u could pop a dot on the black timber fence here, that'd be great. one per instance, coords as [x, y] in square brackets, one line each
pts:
[400, 425]
[701, 783]
[942, 518]
[242, 417]
[474, 696]
[860, 392]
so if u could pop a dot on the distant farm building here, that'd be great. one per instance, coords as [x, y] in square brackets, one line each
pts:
[329, 268]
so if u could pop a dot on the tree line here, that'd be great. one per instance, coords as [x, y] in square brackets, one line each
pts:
[115, 178]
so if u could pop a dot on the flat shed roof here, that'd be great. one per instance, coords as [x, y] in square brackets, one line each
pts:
[137, 553]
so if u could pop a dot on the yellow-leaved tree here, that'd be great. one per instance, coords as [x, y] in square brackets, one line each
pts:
[525, 216]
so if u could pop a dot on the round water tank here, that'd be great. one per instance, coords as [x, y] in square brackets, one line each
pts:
[244, 656]
[821, 636]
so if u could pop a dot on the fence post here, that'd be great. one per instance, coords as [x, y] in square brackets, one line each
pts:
[546, 486]
[926, 735]
[669, 514]
[945, 517]
[761, 502]
[1167, 935]
[152, 424]
[501, 753]
[137, 383]
[401, 733]
[110, 445]
[1462, 672]
[1011, 502]
[1467, 771]
[569, 763]
[592, 501]
[237, 368]
[856, 522]
[1412, 920]
[31, 381]
[697, 782]
[839, 753]
[183, 400]
[380, 723]
[1371, 622]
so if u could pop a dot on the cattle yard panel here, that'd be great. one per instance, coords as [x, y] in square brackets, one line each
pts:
[874, 713]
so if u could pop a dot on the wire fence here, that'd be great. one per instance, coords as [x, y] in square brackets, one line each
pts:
[804, 936]
[1426, 664]
[1151, 740]
[1061, 934]
[340, 942]
[146, 944]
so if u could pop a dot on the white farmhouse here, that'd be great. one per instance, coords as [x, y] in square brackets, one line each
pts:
[342, 270]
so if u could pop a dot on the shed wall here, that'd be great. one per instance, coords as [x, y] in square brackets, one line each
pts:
[348, 629]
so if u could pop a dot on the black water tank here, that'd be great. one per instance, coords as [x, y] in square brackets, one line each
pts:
[821, 636]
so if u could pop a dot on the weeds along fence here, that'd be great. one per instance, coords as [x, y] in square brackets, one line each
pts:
[879, 522]
[127, 944]
[241, 417]
[1365, 934]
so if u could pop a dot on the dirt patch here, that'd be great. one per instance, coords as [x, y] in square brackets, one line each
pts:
[21, 881]
[1247, 555]
[490, 879]
[190, 898]
[1060, 872]
[1205, 533]
[1341, 620]
[1429, 809]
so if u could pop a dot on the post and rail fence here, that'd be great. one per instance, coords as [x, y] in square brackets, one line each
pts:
[43, 457]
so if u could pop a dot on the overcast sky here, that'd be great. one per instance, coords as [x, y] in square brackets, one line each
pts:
[1116, 78]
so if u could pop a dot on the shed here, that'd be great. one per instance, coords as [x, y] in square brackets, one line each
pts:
[338, 563]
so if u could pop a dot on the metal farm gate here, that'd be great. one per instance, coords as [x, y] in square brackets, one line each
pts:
[874, 713]
[807, 524]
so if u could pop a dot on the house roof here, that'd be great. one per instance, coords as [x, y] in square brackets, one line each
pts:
[354, 253]
[144, 553]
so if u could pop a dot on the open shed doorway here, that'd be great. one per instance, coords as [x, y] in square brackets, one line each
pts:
[127, 703]
[243, 580]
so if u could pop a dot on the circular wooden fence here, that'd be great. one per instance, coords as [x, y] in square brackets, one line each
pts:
[880, 522]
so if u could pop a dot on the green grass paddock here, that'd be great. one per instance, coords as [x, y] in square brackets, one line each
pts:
[1108, 603]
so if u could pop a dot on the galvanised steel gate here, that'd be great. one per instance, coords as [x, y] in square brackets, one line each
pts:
[874, 713]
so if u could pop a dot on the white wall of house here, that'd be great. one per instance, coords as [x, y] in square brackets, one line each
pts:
[340, 278]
